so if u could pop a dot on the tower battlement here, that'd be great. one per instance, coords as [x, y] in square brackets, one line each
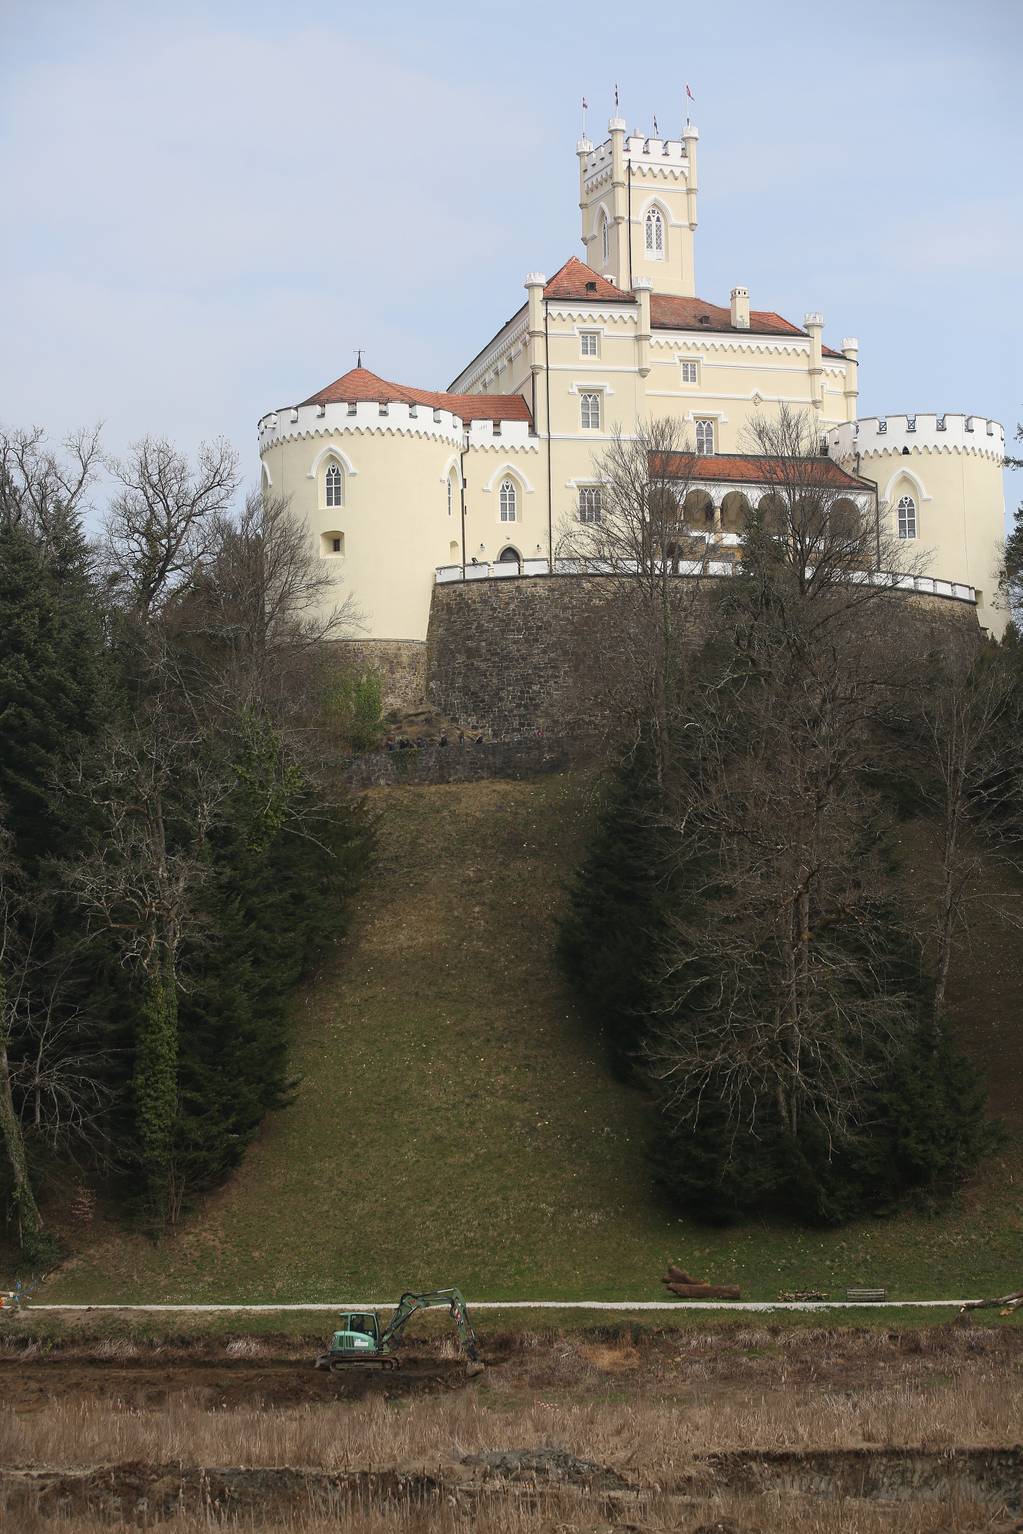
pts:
[948, 432]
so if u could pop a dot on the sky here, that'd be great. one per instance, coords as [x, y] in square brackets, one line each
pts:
[208, 208]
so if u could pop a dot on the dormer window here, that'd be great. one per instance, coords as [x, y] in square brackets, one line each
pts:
[332, 485]
[591, 287]
[654, 235]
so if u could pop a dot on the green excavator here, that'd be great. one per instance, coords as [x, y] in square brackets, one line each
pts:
[359, 1342]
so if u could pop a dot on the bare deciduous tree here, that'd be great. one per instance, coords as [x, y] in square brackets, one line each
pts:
[962, 719]
[161, 524]
[36, 485]
[832, 540]
[263, 601]
[638, 540]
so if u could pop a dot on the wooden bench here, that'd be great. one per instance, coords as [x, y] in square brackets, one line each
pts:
[866, 1296]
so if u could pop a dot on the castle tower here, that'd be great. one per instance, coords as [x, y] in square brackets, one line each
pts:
[939, 484]
[637, 198]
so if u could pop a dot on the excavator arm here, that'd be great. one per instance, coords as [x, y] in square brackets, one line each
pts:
[452, 1298]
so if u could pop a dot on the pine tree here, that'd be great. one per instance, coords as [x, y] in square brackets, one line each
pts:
[608, 944]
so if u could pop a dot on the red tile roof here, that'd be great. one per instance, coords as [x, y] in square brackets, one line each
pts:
[739, 468]
[577, 280]
[360, 385]
[670, 313]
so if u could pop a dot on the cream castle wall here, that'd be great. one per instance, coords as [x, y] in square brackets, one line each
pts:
[951, 465]
[397, 461]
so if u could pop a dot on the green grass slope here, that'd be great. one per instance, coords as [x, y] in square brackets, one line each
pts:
[455, 1125]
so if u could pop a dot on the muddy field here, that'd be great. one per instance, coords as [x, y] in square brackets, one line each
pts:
[723, 1430]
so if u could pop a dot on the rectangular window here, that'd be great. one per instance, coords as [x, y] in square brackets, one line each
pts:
[690, 371]
[705, 436]
[589, 411]
[589, 343]
[589, 503]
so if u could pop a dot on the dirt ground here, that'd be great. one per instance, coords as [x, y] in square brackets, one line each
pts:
[722, 1430]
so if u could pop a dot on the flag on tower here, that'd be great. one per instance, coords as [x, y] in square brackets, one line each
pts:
[690, 94]
[616, 98]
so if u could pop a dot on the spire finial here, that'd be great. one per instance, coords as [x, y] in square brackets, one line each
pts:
[358, 358]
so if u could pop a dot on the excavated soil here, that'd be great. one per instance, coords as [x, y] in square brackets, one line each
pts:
[988, 1480]
[603, 1432]
[36, 1384]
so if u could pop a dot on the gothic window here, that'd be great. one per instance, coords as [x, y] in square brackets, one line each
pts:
[604, 243]
[589, 411]
[509, 500]
[452, 488]
[907, 517]
[705, 437]
[655, 235]
[589, 343]
[332, 485]
[589, 503]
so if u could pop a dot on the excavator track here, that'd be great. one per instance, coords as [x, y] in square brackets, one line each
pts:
[356, 1365]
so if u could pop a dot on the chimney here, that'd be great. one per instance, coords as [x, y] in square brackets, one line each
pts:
[740, 308]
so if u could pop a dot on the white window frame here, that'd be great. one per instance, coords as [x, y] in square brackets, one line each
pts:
[590, 406]
[906, 517]
[589, 343]
[692, 365]
[605, 243]
[589, 510]
[333, 481]
[654, 237]
[705, 425]
[508, 501]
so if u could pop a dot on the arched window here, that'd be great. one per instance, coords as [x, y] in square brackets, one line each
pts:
[509, 501]
[654, 235]
[705, 436]
[589, 503]
[332, 485]
[907, 516]
[604, 242]
[589, 411]
[451, 495]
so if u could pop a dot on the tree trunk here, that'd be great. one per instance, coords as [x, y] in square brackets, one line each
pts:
[29, 1221]
[155, 1083]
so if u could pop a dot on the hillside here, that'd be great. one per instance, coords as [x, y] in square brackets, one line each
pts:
[453, 1124]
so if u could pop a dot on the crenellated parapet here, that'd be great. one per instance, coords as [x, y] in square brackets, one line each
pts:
[389, 419]
[878, 436]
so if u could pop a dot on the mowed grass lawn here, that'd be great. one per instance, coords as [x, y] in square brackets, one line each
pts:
[454, 1124]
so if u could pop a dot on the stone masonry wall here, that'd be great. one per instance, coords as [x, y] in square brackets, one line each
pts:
[400, 663]
[525, 653]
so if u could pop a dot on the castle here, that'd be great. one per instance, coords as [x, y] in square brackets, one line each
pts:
[405, 489]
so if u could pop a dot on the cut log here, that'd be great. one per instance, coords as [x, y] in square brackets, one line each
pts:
[680, 1276]
[705, 1291]
[1007, 1303]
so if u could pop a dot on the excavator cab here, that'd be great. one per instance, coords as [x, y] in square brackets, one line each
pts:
[359, 1332]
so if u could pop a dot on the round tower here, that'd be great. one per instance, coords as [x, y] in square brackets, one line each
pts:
[939, 483]
[378, 484]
